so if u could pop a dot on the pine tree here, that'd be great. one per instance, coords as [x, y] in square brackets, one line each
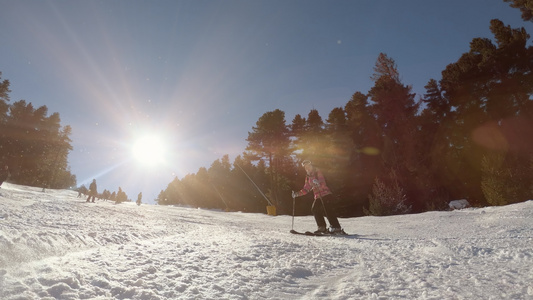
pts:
[4, 98]
[525, 6]
[388, 197]
[297, 127]
[505, 179]
[364, 165]
[270, 140]
[338, 151]
[247, 197]
[172, 195]
[121, 196]
[432, 148]
[311, 141]
[395, 109]
[219, 174]
[37, 147]
[488, 87]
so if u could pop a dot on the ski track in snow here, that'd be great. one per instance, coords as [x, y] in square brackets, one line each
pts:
[55, 246]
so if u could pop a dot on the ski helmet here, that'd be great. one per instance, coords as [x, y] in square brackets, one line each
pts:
[306, 162]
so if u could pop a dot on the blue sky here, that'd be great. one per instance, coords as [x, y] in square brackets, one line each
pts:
[201, 73]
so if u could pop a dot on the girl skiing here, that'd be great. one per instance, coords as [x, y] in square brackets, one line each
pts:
[322, 205]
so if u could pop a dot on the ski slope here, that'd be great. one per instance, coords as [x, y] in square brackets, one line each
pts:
[55, 246]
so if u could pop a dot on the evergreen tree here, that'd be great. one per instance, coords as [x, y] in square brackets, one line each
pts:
[433, 144]
[491, 84]
[248, 198]
[106, 195]
[388, 197]
[338, 151]
[219, 176]
[395, 109]
[270, 140]
[121, 196]
[4, 98]
[505, 180]
[313, 142]
[83, 189]
[202, 191]
[297, 127]
[525, 6]
[34, 145]
[172, 195]
[37, 147]
[365, 165]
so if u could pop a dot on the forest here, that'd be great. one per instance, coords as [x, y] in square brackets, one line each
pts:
[33, 144]
[35, 147]
[386, 152]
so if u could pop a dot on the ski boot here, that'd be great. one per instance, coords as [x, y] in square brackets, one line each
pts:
[321, 230]
[337, 231]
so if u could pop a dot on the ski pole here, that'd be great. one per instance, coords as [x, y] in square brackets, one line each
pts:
[323, 206]
[317, 184]
[268, 201]
[293, 204]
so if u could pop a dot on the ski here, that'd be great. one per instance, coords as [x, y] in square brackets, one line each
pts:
[318, 234]
[302, 233]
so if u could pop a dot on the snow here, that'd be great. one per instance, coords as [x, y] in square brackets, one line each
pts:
[53, 245]
[459, 204]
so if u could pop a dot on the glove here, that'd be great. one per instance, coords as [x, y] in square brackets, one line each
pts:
[315, 182]
[294, 194]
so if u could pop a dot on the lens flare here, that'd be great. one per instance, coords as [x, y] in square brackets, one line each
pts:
[149, 150]
[369, 150]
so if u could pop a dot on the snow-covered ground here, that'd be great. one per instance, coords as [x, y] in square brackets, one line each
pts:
[53, 245]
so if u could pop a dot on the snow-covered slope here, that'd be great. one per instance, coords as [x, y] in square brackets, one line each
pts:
[55, 246]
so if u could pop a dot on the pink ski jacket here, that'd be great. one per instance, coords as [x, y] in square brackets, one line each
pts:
[319, 190]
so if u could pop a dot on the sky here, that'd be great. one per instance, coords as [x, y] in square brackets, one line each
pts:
[199, 74]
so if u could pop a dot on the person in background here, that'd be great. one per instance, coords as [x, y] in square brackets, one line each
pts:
[322, 205]
[92, 191]
[139, 198]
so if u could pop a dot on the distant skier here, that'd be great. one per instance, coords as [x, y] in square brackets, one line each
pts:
[4, 173]
[322, 206]
[92, 191]
[139, 198]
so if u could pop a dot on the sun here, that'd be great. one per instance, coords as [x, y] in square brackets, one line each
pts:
[149, 150]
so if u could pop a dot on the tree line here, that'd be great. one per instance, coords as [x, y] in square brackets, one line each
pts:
[386, 152]
[33, 144]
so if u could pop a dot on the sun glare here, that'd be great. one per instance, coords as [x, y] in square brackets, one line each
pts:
[149, 150]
